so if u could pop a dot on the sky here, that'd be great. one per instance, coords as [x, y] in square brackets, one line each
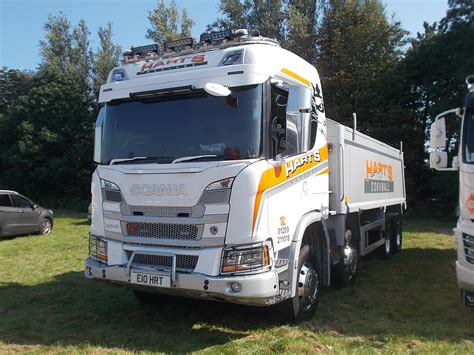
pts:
[22, 21]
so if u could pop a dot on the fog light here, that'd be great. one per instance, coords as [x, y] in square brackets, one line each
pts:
[236, 287]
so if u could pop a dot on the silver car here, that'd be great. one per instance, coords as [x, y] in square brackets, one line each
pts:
[20, 215]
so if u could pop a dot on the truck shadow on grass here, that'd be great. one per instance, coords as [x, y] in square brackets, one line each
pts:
[412, 294]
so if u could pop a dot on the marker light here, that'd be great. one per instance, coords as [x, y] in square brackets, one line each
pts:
[118, 75]
[232, 58]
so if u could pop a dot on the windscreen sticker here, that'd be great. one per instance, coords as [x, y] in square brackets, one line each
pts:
[172, 64]
[378, 177]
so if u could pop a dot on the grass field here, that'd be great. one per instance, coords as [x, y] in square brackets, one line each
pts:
[409, 303]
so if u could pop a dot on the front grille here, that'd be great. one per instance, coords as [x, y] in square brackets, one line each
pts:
[162, 230]
[215, 197]
[183, 262]
[468, 241]
[161, 211]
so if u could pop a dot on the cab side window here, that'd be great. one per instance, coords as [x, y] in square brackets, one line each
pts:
[5, 201]
[20, 202]
[279, 99]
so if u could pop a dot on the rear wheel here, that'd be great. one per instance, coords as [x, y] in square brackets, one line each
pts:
[46, 226]
[396, 236]
[385, 250]
[303, 305]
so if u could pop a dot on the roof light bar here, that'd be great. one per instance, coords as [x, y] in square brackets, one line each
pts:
[216, 36]
[142, 50]
[178, 44]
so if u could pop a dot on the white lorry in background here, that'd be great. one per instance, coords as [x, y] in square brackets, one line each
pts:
[464, 163]
[220, 177]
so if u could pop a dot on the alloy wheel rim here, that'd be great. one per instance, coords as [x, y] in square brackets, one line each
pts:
[46, 227]
[350, 261]
[387, 245]
[308, 286]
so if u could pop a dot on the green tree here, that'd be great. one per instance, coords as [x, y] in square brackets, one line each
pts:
[302, 28]
[167, 23]
[106, 57]
[51, 159]
[356, 46]
[434, 70]
[267, 16]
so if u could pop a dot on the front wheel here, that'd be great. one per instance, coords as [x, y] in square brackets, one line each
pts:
[46, 226]
[303, 305]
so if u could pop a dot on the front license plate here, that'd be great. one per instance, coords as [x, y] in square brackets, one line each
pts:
[146, 279]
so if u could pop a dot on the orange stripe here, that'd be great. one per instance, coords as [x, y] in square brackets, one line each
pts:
[295, 76]
[277, 175]
[325, 171]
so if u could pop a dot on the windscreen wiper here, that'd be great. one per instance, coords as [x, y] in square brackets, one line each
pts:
[123, 160]
[194, 157]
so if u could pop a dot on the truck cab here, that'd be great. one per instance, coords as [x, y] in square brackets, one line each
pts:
[464, 164]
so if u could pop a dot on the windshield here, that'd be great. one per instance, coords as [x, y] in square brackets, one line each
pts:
[192, 125]
[468, 138]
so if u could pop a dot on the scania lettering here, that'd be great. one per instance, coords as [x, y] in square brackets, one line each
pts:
[464, 164]
[220, 177]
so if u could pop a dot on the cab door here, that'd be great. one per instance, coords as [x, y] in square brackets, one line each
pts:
[27, 217]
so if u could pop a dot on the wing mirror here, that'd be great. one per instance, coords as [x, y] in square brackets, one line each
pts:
[438, 160]
[298, 119]
[438, 134]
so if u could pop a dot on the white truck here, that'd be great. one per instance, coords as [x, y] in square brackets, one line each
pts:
[464, 163]
[220, 177]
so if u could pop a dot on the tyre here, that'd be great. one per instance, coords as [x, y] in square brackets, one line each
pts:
[303, 305]
[149, 298]
[396, 236]
[344, 272]
[45, 226]
[385, 250]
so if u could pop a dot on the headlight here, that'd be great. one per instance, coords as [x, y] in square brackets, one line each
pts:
[221, 184]
[468, 241]
[98, 248]
[110, 191]
[253, 257]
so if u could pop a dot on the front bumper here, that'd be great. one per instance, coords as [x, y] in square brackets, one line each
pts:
[465, 277]
[258, 289]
